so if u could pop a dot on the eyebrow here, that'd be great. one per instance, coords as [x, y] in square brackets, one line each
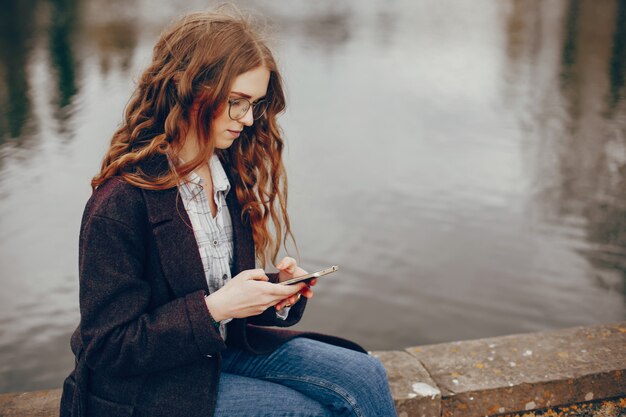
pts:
[245, 95]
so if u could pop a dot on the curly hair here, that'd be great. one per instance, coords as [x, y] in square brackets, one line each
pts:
[196, 60]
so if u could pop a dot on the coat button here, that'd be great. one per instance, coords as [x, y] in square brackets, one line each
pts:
[225, 276]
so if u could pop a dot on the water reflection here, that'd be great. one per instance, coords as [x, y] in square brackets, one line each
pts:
[618, 57]
[592, 153]
[467, 170]
[324, 25]
[17, 26]
[568, 58]
[113, 34]
[580, 146]
[116, 42]
[64, 65]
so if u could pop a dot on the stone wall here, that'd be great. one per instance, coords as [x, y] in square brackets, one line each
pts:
[511, 374]
[577, 372]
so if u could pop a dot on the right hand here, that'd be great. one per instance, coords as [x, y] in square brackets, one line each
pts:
[248, 294]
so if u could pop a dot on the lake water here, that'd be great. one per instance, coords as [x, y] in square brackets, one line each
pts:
[463, 162]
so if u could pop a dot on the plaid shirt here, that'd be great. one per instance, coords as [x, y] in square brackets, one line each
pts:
[213, 235]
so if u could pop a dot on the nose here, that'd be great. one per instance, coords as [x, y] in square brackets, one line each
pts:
[248, 118]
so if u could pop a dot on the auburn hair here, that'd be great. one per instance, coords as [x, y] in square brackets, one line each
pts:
[196, 60]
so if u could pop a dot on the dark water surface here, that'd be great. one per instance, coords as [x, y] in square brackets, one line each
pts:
[464, 162]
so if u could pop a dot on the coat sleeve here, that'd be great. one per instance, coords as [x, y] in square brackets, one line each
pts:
[119, 333]
[269, 318]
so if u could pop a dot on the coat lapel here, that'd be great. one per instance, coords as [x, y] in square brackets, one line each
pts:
[173, 233]
[175, 241]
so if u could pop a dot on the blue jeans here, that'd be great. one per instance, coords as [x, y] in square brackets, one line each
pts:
[303, 377]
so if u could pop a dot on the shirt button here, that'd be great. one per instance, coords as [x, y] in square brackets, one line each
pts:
[209, 356]
[215, 242]
[225, 276]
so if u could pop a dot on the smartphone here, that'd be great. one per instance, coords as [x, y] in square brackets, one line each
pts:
[310, 276]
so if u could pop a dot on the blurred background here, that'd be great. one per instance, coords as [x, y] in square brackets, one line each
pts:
[463, 162]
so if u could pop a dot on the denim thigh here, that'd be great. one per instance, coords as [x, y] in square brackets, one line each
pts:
[346, 382]
[240, 396]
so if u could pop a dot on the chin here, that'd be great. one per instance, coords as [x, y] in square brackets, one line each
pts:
[224, 145]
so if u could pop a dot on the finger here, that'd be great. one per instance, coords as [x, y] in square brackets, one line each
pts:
[283, 262]
[283, 303]
[279, 291]
[287, 290]
[313, 282]
[288, 264]
[257, 275]
[280, 264]
[307, 292]
[290, 302]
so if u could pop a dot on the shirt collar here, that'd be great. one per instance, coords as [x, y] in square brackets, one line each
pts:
[218, 175]
[220, 180]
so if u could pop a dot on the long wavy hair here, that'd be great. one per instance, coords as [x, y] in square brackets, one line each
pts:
[196, 60]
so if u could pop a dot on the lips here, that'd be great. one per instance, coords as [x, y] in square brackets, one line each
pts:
[235, 133]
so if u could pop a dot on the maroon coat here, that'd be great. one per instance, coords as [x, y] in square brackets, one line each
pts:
[145, 345]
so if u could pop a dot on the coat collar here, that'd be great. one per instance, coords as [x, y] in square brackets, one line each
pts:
[175, 239]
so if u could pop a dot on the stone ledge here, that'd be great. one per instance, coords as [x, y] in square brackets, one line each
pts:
[46, 404]
[578, 372]
[527, 371]
[413, 391]
[30, 404]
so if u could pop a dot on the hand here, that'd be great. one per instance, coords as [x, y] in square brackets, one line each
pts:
[287, 269]
[248, 294]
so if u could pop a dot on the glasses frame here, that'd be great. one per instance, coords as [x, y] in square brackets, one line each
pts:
[255, 116]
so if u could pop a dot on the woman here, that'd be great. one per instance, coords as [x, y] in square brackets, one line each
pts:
[175, 319]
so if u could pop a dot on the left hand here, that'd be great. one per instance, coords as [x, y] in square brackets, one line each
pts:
[287, 269]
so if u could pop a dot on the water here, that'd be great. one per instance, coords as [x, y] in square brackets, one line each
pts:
[464, 163]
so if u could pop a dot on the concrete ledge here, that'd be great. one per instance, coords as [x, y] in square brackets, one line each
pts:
[529, 371]
[46, 404]
[414, 392]
[30, 404]
[578, 372]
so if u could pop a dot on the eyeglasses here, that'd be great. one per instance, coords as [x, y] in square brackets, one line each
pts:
[238, 108]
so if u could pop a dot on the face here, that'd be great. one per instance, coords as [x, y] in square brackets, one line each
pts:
[251, 85]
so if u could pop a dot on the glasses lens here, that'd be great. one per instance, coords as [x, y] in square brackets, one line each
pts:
[238, 108]
[259, 109]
